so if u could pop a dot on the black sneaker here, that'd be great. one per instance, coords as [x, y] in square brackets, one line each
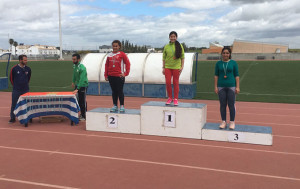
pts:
[12, 121]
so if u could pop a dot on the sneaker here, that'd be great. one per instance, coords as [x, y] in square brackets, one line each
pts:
[114, 109]
[81, 118]
[223, 125]
[232, 125]
[12, 121]
[122, 109]
[175, 102]
[169, 101]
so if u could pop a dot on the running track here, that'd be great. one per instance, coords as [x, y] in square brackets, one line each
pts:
[56, 155]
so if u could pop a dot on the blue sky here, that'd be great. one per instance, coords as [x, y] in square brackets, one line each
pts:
[87, 24]
[130, 9]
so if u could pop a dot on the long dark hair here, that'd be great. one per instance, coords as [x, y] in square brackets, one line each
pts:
[229, 50]
[178, 49]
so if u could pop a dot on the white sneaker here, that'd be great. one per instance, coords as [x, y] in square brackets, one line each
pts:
[223, 125]
[232, 125]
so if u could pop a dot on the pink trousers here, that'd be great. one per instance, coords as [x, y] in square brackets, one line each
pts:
[169, 73]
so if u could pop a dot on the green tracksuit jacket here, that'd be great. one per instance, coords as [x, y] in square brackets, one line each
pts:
[80, 76]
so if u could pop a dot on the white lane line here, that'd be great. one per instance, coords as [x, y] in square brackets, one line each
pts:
[156, 163]
[36, 183]
[157, 141]
[245, 73]
[255, 114]
[259, 123]
[244, 122]
[282, 136]
[216, 105]
[259, 108]
[254, 94]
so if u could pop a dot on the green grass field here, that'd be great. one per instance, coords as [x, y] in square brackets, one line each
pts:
[261, 81]
[46, 75]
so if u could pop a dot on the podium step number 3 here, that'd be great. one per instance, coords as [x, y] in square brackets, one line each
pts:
[241, 134]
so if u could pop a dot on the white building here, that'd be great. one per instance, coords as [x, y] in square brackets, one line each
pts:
[105, 49]
[150, 50]
[35, 50]
[2, 51]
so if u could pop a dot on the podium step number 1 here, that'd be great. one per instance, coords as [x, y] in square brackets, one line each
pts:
[170, 119]
[185, 120]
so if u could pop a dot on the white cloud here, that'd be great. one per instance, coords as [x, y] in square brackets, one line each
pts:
[268, 21]
[193, 4]
[122, 1]
[197, 24]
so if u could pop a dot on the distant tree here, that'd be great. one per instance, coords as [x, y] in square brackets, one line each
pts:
[122, 45]
[11, 42]
[184, 47]
[15, 45]
[128, 47]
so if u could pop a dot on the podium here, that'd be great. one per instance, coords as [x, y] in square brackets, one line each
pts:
[241, 134]
[185, 120]
[101, 119]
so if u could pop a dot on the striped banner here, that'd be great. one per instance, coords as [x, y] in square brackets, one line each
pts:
[35, 104]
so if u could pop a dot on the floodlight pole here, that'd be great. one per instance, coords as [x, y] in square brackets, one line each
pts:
[60, 33]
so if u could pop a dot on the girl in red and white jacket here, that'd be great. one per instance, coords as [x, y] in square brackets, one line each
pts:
[117, 67]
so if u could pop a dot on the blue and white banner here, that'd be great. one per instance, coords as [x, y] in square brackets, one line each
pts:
[29, 107]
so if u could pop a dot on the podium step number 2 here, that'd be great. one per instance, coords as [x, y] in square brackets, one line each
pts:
[112, 121]
[101, 119]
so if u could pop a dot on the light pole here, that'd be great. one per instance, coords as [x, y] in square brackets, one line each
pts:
[60, 35]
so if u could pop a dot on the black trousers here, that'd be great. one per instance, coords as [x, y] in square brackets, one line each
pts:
[116, 84]
[82, 101]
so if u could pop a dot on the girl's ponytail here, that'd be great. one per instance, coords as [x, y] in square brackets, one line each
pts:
[178, 49]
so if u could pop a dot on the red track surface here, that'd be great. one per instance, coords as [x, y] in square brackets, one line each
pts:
[56, 155]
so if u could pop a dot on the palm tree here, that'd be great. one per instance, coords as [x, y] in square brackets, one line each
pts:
[15, 45]
[11, 42]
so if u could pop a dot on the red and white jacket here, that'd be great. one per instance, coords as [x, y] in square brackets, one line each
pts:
[116, 64]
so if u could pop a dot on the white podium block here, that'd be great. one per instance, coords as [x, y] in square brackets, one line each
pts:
[241, 134]
[185, 120]
[101, 119]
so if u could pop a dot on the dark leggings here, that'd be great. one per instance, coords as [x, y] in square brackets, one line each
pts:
[116, 84]
[227, 96]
